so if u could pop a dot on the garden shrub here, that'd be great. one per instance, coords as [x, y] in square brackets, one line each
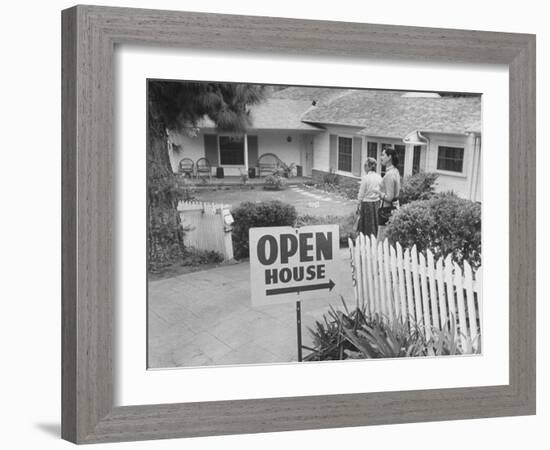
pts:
[262, 214]
[275, 182]
[197, 257]
[331, 177]
[420, 186]
[445, 224]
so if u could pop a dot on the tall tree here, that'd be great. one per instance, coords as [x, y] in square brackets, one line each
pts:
[179, 106]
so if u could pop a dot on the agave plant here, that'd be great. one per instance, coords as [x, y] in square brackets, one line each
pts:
[328, 338]
[443, 342]
[345, 334]
[449, 341]
[383, 338]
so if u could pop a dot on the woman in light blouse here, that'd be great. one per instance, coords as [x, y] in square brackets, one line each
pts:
[369, 199]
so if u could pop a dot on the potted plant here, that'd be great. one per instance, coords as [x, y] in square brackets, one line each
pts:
[287, 169]
[244, 176]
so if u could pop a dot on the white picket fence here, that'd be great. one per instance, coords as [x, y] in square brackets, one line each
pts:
[209, 227]
[401, 283]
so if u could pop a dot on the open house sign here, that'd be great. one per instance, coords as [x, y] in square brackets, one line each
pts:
[289, 264]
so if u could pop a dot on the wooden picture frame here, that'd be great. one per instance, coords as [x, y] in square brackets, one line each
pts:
[89, 36]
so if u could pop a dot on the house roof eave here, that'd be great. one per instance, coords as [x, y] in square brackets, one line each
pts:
[377, 136]
[334, 124]
[289, 130]
[451, 133]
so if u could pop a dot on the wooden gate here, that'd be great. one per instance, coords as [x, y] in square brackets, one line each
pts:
[208, 227]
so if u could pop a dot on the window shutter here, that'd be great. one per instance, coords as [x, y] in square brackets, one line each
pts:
[252, 151]
[333, 152]
[211, 149]
[356, 156]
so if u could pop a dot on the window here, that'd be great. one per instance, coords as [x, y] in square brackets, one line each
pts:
[231, 150]
[450, 159]
[383, 147]
[372, 150]
[400, 150]
[416, 159]
[344, 154]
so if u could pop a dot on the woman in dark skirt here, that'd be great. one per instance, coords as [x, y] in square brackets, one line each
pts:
[369, 199]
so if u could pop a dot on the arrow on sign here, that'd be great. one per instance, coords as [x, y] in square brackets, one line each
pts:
[298, 289]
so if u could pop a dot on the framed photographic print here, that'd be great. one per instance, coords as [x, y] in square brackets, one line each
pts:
[268, 230]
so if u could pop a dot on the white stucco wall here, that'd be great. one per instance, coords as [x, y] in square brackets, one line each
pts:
[276, 143]
[448, 181]
[268, 142]
[321, 147]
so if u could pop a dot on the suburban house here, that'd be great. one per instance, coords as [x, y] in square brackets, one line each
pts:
[334, 130]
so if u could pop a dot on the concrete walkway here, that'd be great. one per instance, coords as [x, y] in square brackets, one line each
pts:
[206, 318]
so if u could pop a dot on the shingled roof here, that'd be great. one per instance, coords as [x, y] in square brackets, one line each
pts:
[319, 95]
[276, 114]
[393, 114]
[441, 115]
[377, 113]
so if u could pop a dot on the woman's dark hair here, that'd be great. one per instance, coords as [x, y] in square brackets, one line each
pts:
[392, 153]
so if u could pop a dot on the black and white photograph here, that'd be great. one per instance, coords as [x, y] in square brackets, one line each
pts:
[298, 224]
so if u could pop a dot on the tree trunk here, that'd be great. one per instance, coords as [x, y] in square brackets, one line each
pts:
[165, 235]
[158, 160]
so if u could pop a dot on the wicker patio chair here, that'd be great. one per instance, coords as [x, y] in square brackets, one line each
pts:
[186, 167]
[203, 168]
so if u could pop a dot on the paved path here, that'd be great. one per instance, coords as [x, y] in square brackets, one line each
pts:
[205, 318]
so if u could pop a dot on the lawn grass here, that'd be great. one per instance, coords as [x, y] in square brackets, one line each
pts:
[305, 205]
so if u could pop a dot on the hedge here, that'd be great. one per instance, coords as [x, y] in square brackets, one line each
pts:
[445, 224]
[262, 214]
[420, 186]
